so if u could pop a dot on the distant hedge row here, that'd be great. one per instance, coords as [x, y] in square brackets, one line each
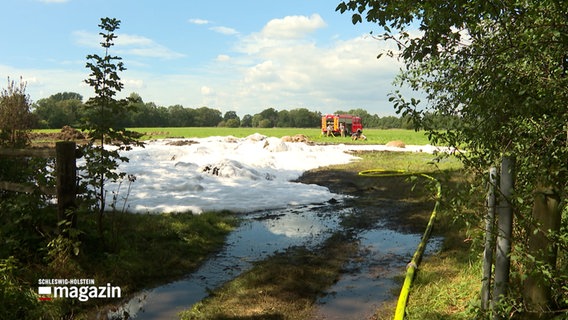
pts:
[67, 108]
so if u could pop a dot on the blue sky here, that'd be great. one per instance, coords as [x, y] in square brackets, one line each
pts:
[242, 56]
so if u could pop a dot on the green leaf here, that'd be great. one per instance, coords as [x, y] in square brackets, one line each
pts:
[356, 18]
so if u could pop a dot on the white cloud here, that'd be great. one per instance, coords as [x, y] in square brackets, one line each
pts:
[206, 91]
[198, 21]
[284, 70]
[292, 27]
[219, 29]
[225, 30]
[133, 40]
[42, 83]
[153, 51]
[282, 65]
[133, 84]
[287, 73]
[209, 96]
[86, 39]
[262, 77]
[223, 58]
[169, 89]
[281, 33]
[129, 44]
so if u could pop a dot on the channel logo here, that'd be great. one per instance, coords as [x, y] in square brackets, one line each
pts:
[44, 293]
[83, 290]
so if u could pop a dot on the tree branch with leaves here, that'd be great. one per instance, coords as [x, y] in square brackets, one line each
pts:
[500, 66]
[15, 115]
[107, 139]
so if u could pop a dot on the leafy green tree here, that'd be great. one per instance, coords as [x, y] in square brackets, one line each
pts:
[359, 112]
[246, 121]
[304, 118]
[230, 115]
[232, 123]
[63, 96]
[284, 119]
[271, 115]
[255, 120]
[15, 115]
[438, 121]
[207, 117]
[180, 116]
[502, 67]
[136, 106]
[59, 110]
[104, 112]
[265, 123]
[408, 122]
[231, 120]
[150, 115]
[368, 120]
[15, 124]
[389, 122]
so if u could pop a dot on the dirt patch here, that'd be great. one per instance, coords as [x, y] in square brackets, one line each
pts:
[180, 143]
[396, 202]
[297, 138]
[67, 133]
[396, 143]
[156, 133]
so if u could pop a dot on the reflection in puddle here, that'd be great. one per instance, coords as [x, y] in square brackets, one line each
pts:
[259, 236]
[368, 281]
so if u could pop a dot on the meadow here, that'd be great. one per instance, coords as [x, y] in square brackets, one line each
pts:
[374, 136]
[137, 266]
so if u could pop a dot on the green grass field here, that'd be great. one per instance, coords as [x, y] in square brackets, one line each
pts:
[374, 136]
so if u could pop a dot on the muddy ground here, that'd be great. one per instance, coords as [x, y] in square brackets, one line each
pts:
[398, 203]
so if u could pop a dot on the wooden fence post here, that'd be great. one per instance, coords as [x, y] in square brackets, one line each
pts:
[489, 240]
[66, 174]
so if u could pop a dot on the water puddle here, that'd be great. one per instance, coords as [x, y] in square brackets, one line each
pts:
[369, 278]
[366, 283]
[260, 235]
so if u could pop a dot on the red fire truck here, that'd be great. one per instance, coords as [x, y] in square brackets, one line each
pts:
[335, 123]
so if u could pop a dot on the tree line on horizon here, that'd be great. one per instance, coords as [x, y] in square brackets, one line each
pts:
[67, 108]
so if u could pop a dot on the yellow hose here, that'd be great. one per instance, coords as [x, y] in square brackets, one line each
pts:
[413, 265]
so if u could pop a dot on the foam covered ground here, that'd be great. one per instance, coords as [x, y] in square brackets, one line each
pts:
[228, 173]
